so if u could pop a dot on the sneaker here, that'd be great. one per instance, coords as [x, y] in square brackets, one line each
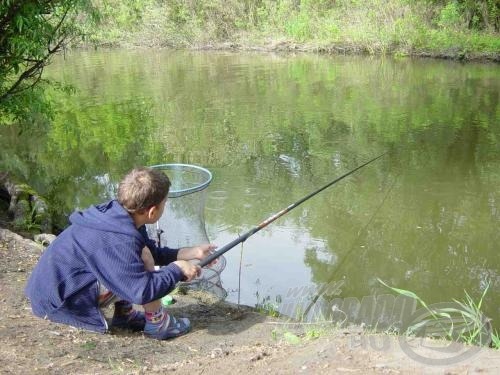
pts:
[134, 320]
[167, 327]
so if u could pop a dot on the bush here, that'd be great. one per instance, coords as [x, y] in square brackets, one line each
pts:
[450, 17]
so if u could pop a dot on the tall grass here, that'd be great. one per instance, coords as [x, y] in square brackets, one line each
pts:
[372, 26]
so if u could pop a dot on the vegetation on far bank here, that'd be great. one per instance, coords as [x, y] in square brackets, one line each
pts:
[446, 28]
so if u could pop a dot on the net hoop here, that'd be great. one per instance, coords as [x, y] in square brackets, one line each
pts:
[205, 177]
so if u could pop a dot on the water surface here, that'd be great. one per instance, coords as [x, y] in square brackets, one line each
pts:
[273, 128]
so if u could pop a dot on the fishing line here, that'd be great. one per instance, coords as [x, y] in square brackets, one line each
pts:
[239, 274]
[325, 286]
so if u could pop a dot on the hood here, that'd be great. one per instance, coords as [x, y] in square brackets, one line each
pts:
[106, 217]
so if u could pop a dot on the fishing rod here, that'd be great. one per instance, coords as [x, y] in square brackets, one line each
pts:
[272, 218]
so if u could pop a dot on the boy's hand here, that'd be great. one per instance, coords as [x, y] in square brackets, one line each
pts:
[197, 252]
[189, 270]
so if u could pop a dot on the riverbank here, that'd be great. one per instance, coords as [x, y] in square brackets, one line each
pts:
[398, 28]
[225, 339]
[291, 47]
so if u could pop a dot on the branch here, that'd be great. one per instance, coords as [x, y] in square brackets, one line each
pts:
[58, 26]
[38, 64]
[24, 76]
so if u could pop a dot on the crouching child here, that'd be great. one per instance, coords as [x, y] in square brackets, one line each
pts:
[105, 257]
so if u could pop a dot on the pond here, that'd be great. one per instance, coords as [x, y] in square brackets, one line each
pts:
[272, 128]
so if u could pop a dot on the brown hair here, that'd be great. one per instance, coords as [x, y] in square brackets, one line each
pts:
[142, 188]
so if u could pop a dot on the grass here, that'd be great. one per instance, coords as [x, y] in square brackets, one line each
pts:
[30, 222]
[373, 26]
[461, 321]
[293, 330]
[266, 306]
[495, 338]
[89, 345]
[299, 333]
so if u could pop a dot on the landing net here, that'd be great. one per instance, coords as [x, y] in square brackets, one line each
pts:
[183, 221]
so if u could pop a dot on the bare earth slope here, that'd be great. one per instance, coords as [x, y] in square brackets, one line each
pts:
[225, 339]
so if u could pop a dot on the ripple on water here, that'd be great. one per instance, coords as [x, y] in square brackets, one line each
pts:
[250, 191]
[215, 200]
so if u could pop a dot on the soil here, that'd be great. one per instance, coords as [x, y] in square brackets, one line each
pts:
[225, 339]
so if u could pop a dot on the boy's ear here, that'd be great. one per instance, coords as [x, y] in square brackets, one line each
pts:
[151, 211]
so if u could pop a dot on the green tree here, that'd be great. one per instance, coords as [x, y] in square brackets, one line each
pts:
[31, 31]
[474, 14]
[484, 14]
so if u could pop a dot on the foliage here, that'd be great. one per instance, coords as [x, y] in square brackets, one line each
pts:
[121, 18]
[472, 14]
[31, 32]
[450, 16]
[375, 26]
[208, 20]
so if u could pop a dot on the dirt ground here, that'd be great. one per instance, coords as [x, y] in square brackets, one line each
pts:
[225, 339]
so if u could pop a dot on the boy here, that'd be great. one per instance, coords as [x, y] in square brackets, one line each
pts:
[105, 256]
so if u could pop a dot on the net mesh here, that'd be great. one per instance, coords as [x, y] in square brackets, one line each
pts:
[183, 222]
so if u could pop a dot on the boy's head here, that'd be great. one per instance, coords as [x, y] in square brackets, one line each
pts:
[143, 188]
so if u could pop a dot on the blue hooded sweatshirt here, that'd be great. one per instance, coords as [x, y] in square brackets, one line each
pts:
[101, 245]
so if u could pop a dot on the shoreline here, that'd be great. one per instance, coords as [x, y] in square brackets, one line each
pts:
[290, 47]
[225, 338]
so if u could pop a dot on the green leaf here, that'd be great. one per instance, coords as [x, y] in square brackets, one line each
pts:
[19, 23]
[403, 292]
[291, 338]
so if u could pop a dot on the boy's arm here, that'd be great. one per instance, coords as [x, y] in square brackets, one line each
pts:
[161, 255]
[121, 270]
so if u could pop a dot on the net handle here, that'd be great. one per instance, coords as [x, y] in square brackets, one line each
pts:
[180, 193]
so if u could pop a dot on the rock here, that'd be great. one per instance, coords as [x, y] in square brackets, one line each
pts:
[42, 215]
[11, 238]
[28, 210]
[45, 238]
